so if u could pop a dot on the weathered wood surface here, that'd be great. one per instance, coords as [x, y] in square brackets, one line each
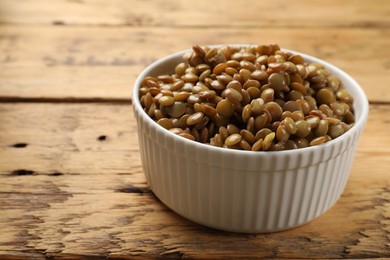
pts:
[71, 180]
[72, 183]
[85, 62]
[218, 13]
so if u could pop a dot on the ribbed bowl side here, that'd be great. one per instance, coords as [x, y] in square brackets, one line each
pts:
[217, 189]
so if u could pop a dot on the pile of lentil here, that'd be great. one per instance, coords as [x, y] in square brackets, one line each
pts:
[257, 98]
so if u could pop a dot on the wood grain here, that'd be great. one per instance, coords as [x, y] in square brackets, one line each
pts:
[102, 63]
[71, 178]
[72, 184]
[203, 13]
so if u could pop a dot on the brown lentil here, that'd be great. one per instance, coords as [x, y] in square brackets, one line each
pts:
[177, 109]
[335, 130]
[290, 125]
[277, 82]
[282, 134]
[261, 121]
[325, 96]
[224, 78]
[233, 95]
[297, 115]
[250, 126]
[318, 140]
[231, 71]
[247, 136]
[268, 141]
[246, 98]
[255, 98]
[268, 95]
[195, 118]
[349, 118]
[223, 132]
[262, 133]
[225, 108]
[245, 75]
[290, 145]
[188, 136]
[322, 128]
[233, 139]
[204, 135]
[294, 95]
[257, 145]
[303, 128]
[274, 109]
[245, 145]
[305, 107]
[257, 106]
[292, 106]
[232, 129]
[217, 140]
[166, 101]
[313, 121]
[166, 123]
[234, 84]
[181, 122]
[301, 142]
[251, 83]
[219, 68]
[246, 113]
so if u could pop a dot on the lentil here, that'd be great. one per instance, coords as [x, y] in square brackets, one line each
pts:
[177, 109]
[225, 108]
[255, 98]
[233, 95]
[253, 92]
[245, 145]
[232, 129]
[233, 139]
[195, 118]
[166, 123]
[290, 125]
[318, 140]
[282, 134]
[246, 113]
[268, 95]
[301, 142]
[303, 128]
[247, 136]
[166, 101]
[188, 136]
[277, 81]
[257, 145]
[335, 130]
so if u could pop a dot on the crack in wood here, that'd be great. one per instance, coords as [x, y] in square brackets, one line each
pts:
[58, 22]
[55, 174]
[134, 189]
[22, 172]
[64, 100]
[102, 138]
[19, 145]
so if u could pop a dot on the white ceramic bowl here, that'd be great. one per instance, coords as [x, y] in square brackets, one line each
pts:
[244, 191]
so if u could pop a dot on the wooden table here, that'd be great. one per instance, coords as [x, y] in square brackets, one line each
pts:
[71, 181]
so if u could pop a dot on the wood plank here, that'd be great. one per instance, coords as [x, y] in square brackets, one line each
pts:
[92, 62]
[277, 13]
[72, 184]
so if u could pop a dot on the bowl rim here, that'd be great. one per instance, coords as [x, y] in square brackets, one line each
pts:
[358, 126]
